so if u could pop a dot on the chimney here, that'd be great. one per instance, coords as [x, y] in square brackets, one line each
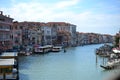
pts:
[1, 12]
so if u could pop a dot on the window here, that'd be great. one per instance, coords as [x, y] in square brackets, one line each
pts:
[48, 32]
[21, 27]
[10, 27]
[2, 19]
[58, 29]
[0, 27]
[15, 27]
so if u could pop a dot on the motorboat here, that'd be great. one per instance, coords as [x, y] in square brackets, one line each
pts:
[111, 64]
[43, 49]
[116, 50]
[56, 48]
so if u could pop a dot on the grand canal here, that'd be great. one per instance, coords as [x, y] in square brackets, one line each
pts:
[78, 63]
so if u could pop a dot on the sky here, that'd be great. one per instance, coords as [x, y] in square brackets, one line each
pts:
[98, 16]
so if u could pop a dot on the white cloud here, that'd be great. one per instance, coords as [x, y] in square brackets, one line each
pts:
[85, 21]
[38, 11]
[105, 23]
[66, 3]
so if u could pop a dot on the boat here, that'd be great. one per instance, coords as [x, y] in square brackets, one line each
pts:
[24, 53]
[111, 64]
[7, 71]
[106, 67]
[56, 48]
[43, 49]
[116, 50]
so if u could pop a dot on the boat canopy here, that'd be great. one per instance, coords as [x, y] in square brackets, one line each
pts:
[9, 55]
[6, 62]
[116, 50]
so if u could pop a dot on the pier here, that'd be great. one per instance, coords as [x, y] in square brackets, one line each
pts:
[9, 66]
[112, 55]
[104, 50]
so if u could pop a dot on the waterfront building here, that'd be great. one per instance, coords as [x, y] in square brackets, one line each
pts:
[16, 35]
[99, 38]
[93, 38]
[56, 33]
[34, 33]
[73, 34]
[66, 33]
[31, 33]
[85, 38]
[79, 37]
[108, 38]
[61, 32]
[82, 38]
[24, 27]
[53, 30]
[79, 41]
[5, 32]
[46, 34]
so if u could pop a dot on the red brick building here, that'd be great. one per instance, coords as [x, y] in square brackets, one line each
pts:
[5, 32]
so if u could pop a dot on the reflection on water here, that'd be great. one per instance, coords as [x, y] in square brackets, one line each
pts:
[78, 63]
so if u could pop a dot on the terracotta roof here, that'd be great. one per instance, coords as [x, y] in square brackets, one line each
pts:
[58, 23]
[49, 24]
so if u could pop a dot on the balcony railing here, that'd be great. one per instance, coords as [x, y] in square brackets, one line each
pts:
[7, 23]
[1, 39]
[5, 29]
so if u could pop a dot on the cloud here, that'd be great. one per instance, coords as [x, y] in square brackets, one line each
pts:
[100, 23]
[86, 20]
[66, 3]
[38, 11]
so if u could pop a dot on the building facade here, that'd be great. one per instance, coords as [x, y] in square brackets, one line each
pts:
[63, 33]
[16, 35]
[5, 32]
[29, 33]
[93, 38]
[46, 34]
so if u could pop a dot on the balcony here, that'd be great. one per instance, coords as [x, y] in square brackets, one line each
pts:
[7, 23]
[4, 29]
[3, 39]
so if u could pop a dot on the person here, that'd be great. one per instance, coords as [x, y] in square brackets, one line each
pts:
[64, 50]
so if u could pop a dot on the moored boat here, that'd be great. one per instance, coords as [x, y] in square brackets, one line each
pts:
[43, 49]
[116, 50]
[56, 48]
[111, 64]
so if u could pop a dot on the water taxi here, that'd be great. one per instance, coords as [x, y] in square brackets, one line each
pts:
[43, 49]
[56, 48]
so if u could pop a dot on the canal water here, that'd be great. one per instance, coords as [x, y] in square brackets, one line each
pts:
[78, 63]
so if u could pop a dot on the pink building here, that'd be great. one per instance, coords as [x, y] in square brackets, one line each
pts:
[16, 35]
[5, 32]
